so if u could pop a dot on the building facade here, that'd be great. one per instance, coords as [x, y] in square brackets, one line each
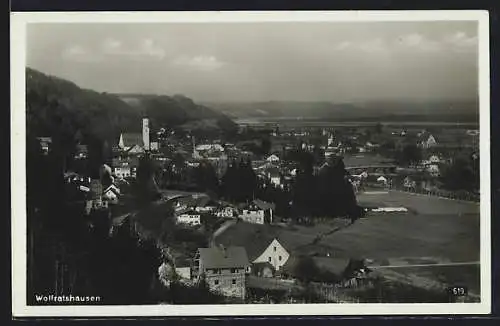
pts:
[189, 218]
[224, 270]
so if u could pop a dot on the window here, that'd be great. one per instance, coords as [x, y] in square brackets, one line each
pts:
[274, 248]
[269, 259]
[233, 270]
[216, 282]
[279, 258]
[234, 281]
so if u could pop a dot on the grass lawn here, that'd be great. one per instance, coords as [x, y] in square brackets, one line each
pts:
[451, 237]
[468, 275]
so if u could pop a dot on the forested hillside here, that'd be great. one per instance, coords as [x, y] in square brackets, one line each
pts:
[179, 110]
[60, 109]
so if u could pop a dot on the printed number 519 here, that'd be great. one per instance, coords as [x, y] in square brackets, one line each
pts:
[458, 291]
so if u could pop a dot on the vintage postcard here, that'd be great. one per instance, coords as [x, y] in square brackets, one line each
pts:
[250, 163]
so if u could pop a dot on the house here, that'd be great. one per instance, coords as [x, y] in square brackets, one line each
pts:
[409, 183]
[382, 179]
[274, 254]
[191, 218]
[155, 146]
[268, 250]
[433, 170]
[223, 269]
[205, 209]
[226, 212]
[258, 212]
[274, 176]
[127, 167]
[45, 143]
[111, 194]
[275, 179]
[426, 140]
[472, 132]
[122, 171]
[273, 158]
[81, 152]
[432, 165]
[264, 269]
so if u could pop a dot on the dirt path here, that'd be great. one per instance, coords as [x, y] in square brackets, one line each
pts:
[220, 230]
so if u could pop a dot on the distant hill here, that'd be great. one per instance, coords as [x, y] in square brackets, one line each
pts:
[178, 110]
[464, 111]
[59, 108]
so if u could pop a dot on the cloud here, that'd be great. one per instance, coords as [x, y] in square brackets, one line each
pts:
[203, 63]
[418, 42]
[373, 46]
[79, 53]
[146, 49]
[376, 45]
[415, 42]
[149, 48]
[112, 46]
[343, 46]
[461, 41]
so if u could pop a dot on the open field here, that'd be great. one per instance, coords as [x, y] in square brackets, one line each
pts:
[421, 204]
[447, 276]
[450, 237]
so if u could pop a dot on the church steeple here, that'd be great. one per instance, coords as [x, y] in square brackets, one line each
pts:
[195, 152]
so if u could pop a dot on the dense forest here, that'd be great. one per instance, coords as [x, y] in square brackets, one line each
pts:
[182, 112]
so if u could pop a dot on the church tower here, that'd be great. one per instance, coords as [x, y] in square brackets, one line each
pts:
[145, 133]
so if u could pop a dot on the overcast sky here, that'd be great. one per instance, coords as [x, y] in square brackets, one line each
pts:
[340, 62]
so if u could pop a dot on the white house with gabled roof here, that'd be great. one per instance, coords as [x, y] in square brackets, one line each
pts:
[273, 158]
[275, 254]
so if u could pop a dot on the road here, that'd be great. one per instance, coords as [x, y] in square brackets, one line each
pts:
[427, 265]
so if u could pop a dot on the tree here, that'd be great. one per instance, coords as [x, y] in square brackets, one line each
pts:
[265, 146]
[378, 128]
[206, 177]
[410, 154]
[336, 195]
[461, 174]
[146, 186]
[306, 269]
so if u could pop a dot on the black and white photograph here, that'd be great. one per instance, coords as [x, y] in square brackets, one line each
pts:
[219, 163]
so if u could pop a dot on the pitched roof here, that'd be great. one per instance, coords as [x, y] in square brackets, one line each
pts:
[45, 139]
[229, 257]
[253, 237]
[191, 201]
[129, 161]
[131, 139]
[263, 205]
[82, 148]
[273, 157]
[134, 149]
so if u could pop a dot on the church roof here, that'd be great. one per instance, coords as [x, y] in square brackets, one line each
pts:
[131, 139]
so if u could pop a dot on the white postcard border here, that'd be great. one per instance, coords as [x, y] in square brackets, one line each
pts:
[18, 177]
